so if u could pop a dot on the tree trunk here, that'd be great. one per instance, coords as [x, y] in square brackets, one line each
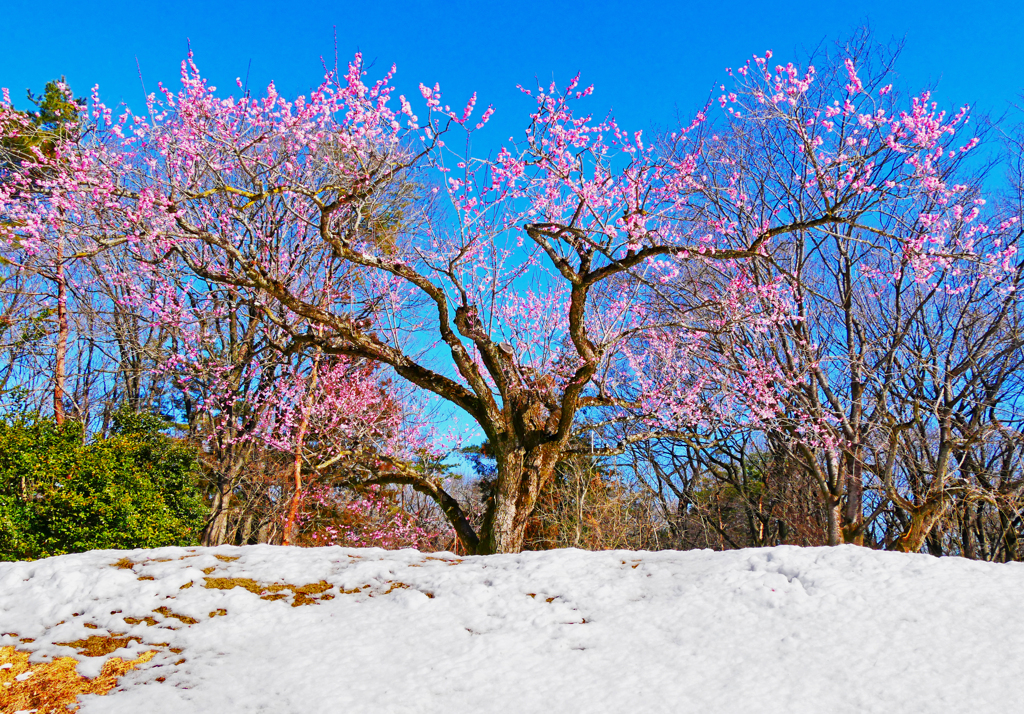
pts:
[521, 476]
[246, 530]
[1010, 541]
[60, 368]
[290, 536]
[853, 528]
[922, 519]
[834, 509]
[215, 532]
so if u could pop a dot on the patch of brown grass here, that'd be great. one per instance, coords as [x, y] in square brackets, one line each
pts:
[313, 588]
[229, 583]
[302, 594]
[306, 594]
[53, 687]
[166, 612]
[123, 564]
[99, 645]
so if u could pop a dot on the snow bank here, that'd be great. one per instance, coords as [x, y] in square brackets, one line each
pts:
[773, 630]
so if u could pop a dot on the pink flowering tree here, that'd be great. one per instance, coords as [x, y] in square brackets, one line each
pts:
[269, 419]
[37, 157]
[578, 292]
[896, 349]
[374, 518]
[342, 425]
[66, 338]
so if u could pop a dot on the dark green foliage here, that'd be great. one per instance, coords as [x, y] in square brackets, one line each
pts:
[136, 489]
[55, 118]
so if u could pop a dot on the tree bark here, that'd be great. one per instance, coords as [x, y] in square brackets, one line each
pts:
[60, 367]
[215, 532]
[522, 474]
[834, 507]
[853, 528]
[922, 519]
[290, 535]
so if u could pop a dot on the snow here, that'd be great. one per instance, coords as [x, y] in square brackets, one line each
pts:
[768, 630]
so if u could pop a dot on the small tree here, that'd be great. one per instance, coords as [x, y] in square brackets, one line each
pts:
[32, 158]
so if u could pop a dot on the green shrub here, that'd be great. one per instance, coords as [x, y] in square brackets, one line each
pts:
[135, 489]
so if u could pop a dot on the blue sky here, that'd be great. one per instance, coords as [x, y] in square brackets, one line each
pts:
[646, 58]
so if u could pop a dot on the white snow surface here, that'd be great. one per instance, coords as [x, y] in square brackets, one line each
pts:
[787, 629]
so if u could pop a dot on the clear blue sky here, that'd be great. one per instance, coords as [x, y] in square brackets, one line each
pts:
[645, 58]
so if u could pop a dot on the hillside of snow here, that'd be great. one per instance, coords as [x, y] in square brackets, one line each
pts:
[275, 629]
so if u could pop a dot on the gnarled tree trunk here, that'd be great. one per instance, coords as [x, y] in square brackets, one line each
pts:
[922, 519]
[522, 474]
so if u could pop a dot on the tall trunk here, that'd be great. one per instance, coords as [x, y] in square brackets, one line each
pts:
[246, 530]
[60, 368]
[853, 471]
[1010, 541]
[227, 472]
[290, 535]
[853, 528]
[924, 515]
[834, 508]
[967, 518]
[215, 532]
[833, 493]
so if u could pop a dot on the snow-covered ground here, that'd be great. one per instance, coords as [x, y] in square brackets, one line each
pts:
[823, 630]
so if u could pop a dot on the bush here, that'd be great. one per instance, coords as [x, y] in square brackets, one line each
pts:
[135, 489]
